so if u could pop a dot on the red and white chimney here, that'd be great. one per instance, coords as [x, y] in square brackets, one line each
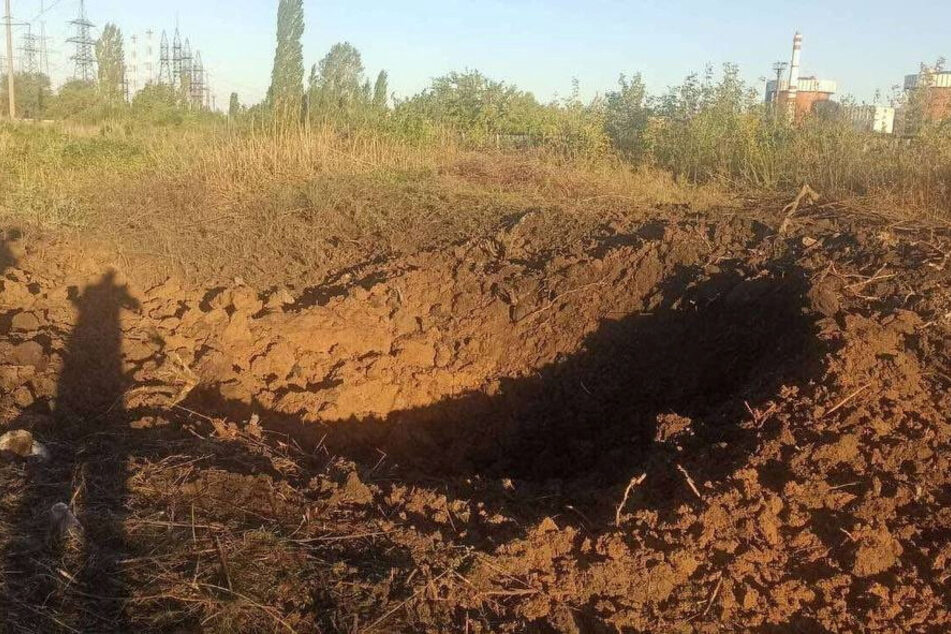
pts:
[793, 89]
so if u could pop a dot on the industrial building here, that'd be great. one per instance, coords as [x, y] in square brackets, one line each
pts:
[933, 88]
[799, 95]
[869, 118]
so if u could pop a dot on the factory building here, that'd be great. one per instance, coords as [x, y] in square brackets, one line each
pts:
[933, 88]
[872, 118]
[798, 95]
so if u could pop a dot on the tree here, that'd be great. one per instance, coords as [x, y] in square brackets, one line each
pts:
[627, 115]
[33, 94]
[336, 82]
[234, 106]
[160, 104]
[478, 106]
[381, 91]
[111, 61]
[79, 100]
[287, 78]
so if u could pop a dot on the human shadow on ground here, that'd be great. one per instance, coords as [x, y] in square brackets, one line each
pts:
[662, 393]
[86, 470]
[87, 431]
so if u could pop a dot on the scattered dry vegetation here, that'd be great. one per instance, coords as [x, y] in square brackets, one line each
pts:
[295, 206]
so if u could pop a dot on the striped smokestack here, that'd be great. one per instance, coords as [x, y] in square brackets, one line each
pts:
[794, 71]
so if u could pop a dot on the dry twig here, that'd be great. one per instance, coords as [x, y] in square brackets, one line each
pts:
[713, 597]
[690, 483]
[848, 398]
[635, 481]
[790, 210]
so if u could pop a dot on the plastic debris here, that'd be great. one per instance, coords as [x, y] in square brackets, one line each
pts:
[62, 521]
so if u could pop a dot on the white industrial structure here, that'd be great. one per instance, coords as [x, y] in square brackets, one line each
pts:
[873, 118]
[932, 79]
[798, 95]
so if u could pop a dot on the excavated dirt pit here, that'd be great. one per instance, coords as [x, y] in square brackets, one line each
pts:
[681, 424]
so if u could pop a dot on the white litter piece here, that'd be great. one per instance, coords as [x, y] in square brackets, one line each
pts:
[63, 522]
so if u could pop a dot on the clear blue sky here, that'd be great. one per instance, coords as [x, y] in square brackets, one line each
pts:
[540, 45]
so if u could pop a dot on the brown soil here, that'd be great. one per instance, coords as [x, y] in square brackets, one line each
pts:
[454, 440]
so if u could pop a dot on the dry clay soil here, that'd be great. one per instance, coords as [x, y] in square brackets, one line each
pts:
[683, 423]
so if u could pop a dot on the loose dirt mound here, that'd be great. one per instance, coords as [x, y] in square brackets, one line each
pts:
[681, 424]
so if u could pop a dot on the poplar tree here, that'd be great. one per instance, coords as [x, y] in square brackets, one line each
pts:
[234, 106]
[287, 78]
[337, 83]
[111, 61]
[381, 90]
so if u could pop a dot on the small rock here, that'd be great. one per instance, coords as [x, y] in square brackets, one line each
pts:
[23, 397]
[547, 525]
[279, 298]
[672, 427]
[246, 299]
[356, 491]
[25, 322]
[29, 353]
[825, 299]
[878, 551]
[809, 242]
[20, 442]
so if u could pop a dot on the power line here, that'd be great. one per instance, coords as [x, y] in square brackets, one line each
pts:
[44, 11]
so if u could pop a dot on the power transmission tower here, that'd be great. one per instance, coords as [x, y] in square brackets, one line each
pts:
[133, 81]
[176, 59]
[198, 81]
[84, 58]
[165, 68]
[186, 78]
[29, 60]
[149, 59]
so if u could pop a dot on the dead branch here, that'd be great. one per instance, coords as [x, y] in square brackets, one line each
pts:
[806, 193]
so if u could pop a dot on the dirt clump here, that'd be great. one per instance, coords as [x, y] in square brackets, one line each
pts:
[678, 424]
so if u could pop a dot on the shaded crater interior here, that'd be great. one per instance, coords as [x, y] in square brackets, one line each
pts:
[714, 344]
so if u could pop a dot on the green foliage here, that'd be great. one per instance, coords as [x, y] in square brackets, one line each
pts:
[484, 112]
[626, 116]
[472, 105]
[80, 100]
[337, 88]
[381, 95]
[234, 106]
[285, 95]
[160, 104]
[110, 58]
[32, 94]
[710, 129]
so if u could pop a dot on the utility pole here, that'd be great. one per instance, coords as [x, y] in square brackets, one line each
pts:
[11, 85]
[44, 51]
[779, 68]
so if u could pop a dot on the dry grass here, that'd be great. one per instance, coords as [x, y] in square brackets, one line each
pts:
[295, 207]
